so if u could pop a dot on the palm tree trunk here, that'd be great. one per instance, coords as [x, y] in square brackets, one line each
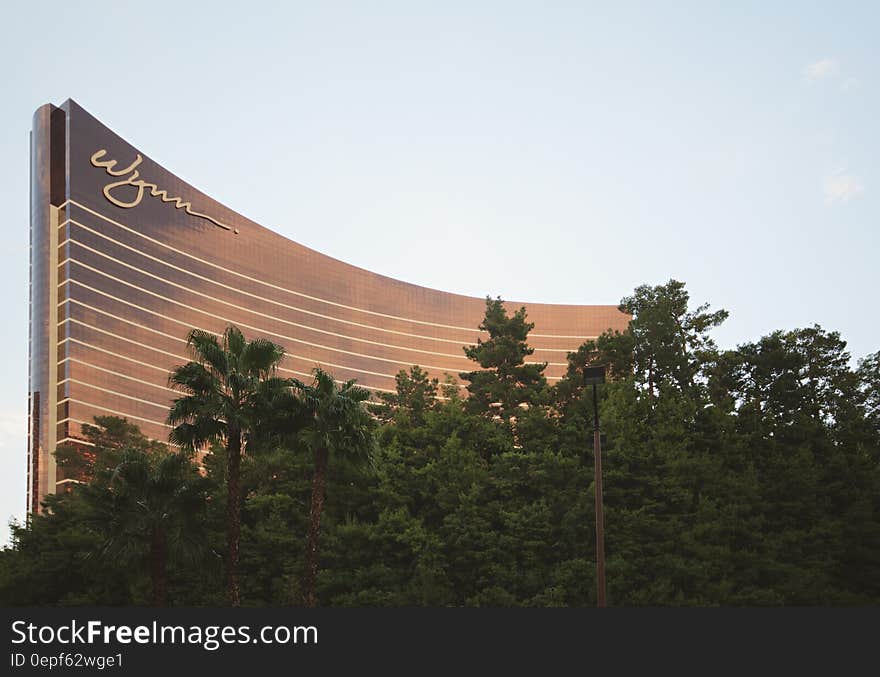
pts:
[233, 514]
[158, 571]
[319, 485]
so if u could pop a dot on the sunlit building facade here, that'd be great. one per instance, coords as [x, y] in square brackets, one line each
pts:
[126, 258]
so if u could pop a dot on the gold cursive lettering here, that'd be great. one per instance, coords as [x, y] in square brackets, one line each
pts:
[108, 165]
[133, 180]
[127, 181]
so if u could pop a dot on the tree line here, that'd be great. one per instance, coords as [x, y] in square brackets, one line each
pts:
[732, 477]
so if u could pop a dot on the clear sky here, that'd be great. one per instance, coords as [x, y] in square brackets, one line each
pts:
[556, 152]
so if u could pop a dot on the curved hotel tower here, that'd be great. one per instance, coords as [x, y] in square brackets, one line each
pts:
[126, 258]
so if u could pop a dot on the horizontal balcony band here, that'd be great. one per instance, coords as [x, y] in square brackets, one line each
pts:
[226, 320]
[264, 315]
[116, 373]
[241, 291]
[74, 440]
[166, 371]
[114, 392]
[80, 422]
[137, 233]
[451, 370]
[187, 359]
[110, 411]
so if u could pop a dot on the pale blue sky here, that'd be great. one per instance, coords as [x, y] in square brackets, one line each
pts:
[558, 152]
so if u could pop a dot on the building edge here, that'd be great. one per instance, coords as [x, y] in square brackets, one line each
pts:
[47, 190]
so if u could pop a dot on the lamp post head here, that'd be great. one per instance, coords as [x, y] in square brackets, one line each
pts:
[594, 375]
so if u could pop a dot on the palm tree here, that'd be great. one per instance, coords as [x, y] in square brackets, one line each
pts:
[228, 388]
[150, 507]
[338, 423]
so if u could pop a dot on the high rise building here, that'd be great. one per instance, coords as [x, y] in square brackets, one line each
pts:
[126, 258]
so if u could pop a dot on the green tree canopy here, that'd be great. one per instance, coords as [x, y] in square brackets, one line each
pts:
[341, 425]
[504, 381]
[228, 389]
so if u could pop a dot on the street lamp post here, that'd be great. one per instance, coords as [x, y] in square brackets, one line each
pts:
[594, 376]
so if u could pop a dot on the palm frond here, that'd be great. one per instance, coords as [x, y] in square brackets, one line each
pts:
[191, 407]
[193, 436]
[205, 348]
[193, 377]
[260, 357]
[234, 342]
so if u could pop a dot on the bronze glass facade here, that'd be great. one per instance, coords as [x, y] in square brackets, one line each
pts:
[126, 258]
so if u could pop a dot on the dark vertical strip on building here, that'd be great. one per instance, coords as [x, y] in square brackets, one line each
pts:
[47, 186]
